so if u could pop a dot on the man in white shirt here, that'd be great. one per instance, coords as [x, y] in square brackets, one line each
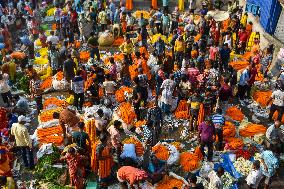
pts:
[167, 88]
[23, 141]
[53, 39]
[255, 175]
[215, 179]
[274, 137]
[109, 86]
[278, 104]
[100, 121]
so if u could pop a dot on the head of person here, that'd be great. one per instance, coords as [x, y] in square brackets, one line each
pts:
[277, 123]
[30, 67]
[81, 126]
[117, 124]
[192, 179]
[100, 112]
[52, 32]
[22, 119]
[226, 80]
[256, 165]
[55, 115]
[219, 111]
[71, 151]
[171, 76]
[136, 80]
[111, 60]
[220, 171]
[78, 72]
[207, 120]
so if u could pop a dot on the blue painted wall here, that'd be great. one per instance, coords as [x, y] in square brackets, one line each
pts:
[269, 13]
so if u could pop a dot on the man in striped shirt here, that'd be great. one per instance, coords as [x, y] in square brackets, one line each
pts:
[219, 121]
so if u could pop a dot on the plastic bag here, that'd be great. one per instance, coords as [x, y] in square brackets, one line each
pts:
[174, 154]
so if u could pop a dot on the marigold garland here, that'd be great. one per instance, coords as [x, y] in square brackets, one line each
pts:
[54, 101]
[119, 94]
[126, 112]
[234, 143]
[47, 115]
[229, 130]
[235, 113]
[170, 182]
[275, 116]
[191, 161]
[252, 129]
[140, 123]
[59, 76]
[182, 110]
[46, 84]
[161, 152]
[18, 55]
[139, 149]
[239, 64]
[84, 56]
[262, 97]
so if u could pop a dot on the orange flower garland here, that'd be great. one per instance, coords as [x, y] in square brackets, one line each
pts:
[46, 84]
[140, 123]
[170, 182]
[126, 112]
[275, 116]
[47, 115]
[59, 76]
[118, 41]
[18, 55]
[229, 130]
[182, 110]
[191, 161]
[252, 129]
[262, 97]
[234, 143]
[41, 133]
[239, 65]
[161, 152]
[54, 101]
[84, 56]
[88, 104]
[89, 81]
[119, 94]
[139, 149]
[235, 113]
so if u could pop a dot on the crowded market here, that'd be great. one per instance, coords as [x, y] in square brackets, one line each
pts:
[115, 94]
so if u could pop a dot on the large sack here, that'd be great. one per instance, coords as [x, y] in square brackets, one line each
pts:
[106, 38]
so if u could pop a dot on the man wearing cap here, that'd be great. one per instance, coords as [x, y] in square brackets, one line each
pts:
[23, 141]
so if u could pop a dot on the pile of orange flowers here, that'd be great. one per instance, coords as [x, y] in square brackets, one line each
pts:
[84, 56]
[126, 112]
[47, 115]
[46, 84]
[262, 97]
[229, 130]
[50, 135]
[88, 104]
[59, 76]
[89, 81]
[239, 64]
[252, 129]
[133, 70]
[234, 143]
[161, 152]
[170, 182]
[191, 161]
[118, 41]
[140, 123]
[275, 116]
[235, 113]
[182, 110]
[139, 149]
[54, 101]
[18, 55]
[119, 94]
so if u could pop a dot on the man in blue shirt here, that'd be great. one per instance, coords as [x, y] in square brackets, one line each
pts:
[225, 52]
[159, 46]
[166, 23]
[219, 121]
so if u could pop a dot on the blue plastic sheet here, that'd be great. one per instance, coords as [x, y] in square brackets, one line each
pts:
[228, 166]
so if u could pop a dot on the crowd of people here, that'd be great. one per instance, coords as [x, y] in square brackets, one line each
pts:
[189, 61]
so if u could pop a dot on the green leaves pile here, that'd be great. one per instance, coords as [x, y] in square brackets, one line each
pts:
[48, 173]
